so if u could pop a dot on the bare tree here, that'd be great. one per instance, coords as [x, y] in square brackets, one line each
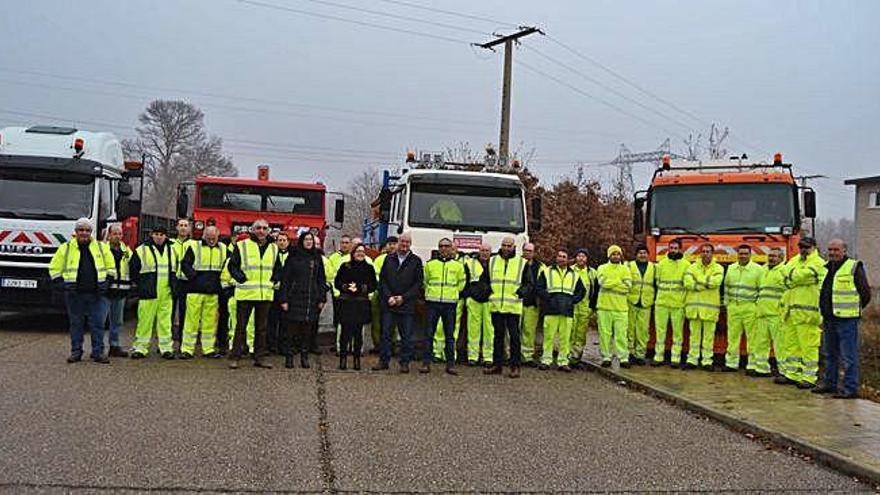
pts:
[172, 136]
[360, 193]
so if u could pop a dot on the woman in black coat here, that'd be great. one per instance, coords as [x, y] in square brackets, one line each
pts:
[355, 280]
[301, 296]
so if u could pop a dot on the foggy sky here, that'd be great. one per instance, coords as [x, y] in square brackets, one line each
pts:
[321, 99]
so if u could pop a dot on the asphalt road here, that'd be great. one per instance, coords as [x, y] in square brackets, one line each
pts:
[197, 426]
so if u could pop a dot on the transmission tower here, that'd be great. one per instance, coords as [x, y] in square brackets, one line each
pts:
[627, 158]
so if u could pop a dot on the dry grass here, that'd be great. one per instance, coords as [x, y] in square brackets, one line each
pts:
[869, 332]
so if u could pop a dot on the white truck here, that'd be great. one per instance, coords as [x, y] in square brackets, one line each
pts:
[471, 207]
[49, 177]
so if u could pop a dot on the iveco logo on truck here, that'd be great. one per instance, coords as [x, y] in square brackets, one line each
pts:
[21, 249]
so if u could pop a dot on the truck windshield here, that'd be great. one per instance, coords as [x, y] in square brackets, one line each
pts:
[270, 199]
[715, 208]
[466, 207]
[45, 195]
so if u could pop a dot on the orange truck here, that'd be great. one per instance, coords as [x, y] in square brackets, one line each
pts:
[726, 204]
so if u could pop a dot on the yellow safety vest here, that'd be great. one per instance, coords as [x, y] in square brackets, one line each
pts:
[161, 263]
[615, 283]
[443, 281]
[770, 292]
[703, 285]
[505, 276]
[642, 291]
[803, 278]
[65, 261]
[123, 276]
[845, 302]
[257, 269]
[669, 275]
[741, 284]
[587, 276]
[207, 258]
[559, 282]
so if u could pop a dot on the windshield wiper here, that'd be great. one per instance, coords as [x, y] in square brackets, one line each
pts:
[755, 230]
[44, 216]
[685, 231]
[10, 214]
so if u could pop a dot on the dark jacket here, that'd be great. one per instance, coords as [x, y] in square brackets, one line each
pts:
[303, 284]
[859, 277]
[531, 274]
[202, 282]
[558, 303]
[146, 283]
[354, 307]
[476, 288]
[86, 274]
[401, 280]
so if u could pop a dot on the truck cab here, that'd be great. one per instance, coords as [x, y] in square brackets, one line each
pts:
[234, 203]
[725, 203]
[50, 177]
[469, 207]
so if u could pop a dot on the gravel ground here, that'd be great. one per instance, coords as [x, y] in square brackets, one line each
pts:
[196, 426]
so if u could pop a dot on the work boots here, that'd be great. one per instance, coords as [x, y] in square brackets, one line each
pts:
[356, 362]
[116, 351]
[304, 360]
[343, 362]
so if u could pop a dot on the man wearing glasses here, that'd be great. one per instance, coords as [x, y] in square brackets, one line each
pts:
[83, 267]
[251, 264]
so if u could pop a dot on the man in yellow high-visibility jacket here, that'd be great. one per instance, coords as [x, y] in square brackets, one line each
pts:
[83, 267]
[768, 324]
[444, 280]
[202, 264]
[612, 307]
[251, 265]
[641, 300]
[583, 310]
[702, 281]
[669, 304]
[804, 275]
[741, 284]
[154, 267]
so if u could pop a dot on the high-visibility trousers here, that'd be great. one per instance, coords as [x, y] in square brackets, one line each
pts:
[556, 327]
[479, 329]
[154, 313]
[663, 315]
[612, 334]
[233, 324]
[637, 336]
[739, 321]
[802, 352]
[201, 317]
[529, 325]
[765, 334]
[440, 339]
[580, 325]
[702, 342]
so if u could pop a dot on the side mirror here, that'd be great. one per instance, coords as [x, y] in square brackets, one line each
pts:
[384, 206]
[126, 208]
[124, 189]
[182, 204]
[638, 217]
[536, 221]
[339, 211]
[809, 203]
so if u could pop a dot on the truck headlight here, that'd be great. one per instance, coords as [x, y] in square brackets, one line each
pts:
[655, 232]
[200, 225]
[787, 230]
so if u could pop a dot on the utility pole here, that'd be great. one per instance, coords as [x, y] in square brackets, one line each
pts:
[504, 138]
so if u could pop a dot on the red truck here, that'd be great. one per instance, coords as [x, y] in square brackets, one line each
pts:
[233, 203]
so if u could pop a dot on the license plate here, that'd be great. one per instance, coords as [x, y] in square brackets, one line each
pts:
[18, 283]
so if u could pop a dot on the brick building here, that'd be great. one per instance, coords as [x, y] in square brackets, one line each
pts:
[867, 217]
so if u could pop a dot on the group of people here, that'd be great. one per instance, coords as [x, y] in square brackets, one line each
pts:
[262, 293]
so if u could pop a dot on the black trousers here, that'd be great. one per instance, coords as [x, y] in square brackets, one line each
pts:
[352, 339]
[178, 316]
[261, 317]
[296, 338]
[222, 340]
[275, 328]
[506, 323]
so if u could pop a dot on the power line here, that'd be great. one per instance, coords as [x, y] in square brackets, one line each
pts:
[397, 16]
[451, 13]
[607, 87]
[351, 21]
[600, 100]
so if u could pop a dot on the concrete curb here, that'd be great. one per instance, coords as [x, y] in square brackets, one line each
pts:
[821, 455]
